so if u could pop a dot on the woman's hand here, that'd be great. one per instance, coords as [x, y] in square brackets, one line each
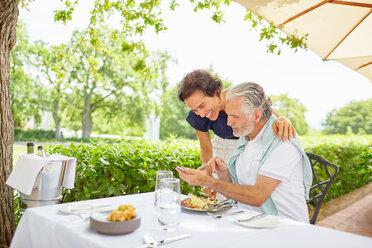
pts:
[284, 128]
[210, 193]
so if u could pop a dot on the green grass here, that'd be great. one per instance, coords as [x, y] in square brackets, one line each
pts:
[17, 150]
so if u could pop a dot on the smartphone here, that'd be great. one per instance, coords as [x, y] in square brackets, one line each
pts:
[182, 169]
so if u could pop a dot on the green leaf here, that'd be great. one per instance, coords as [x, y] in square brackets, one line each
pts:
[104, 161]
[118, 175]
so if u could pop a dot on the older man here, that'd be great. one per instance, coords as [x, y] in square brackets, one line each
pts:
[264, 174]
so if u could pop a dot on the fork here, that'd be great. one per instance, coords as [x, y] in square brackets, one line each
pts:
[219, 211]
[83, 218]
[219, 204]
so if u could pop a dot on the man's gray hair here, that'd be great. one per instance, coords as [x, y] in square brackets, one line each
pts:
[253, 97]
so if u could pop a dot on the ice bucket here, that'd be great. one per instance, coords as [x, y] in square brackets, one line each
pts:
[48, 186]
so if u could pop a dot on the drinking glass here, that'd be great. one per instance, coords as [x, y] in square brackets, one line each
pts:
[169, 212]
[160, 175]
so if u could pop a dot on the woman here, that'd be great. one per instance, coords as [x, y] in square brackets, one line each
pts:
[203, 94]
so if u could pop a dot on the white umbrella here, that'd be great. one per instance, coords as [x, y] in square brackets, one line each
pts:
[338, 30]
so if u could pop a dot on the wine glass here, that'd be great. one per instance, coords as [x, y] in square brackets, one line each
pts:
[159, 175]
[169, 207]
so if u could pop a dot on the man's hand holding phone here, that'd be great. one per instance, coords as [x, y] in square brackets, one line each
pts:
[181, 169]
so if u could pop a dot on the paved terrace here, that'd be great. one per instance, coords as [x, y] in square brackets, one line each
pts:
[350, 213]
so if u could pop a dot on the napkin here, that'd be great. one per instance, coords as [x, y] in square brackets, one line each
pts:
[28, 166]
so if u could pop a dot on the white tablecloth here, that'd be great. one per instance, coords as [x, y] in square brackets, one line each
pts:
[47, 227]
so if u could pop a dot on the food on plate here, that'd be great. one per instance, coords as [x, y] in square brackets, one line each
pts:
[198, 203]
[123, 213]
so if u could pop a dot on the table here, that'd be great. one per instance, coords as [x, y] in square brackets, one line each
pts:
[46, 227]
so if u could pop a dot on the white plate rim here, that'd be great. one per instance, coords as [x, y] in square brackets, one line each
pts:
[76, 208]
[251, 224]
[83, 208]
[101, 216]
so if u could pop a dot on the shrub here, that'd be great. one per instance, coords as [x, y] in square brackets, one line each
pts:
[33, 135]
[40, 135]
[129, 167]
[105, 170]
[353, 156]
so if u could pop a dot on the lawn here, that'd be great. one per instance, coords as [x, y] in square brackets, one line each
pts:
[17, 150]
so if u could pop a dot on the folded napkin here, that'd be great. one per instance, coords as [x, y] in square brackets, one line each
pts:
[28, 166]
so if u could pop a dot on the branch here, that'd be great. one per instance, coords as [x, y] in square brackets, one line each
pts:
[94, 105]
[71, 101]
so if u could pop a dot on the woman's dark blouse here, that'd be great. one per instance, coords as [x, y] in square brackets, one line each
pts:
[219, 126]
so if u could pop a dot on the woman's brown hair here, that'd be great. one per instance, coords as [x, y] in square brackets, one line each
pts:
[199, 80]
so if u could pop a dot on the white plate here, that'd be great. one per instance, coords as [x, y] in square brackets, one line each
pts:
[80, 208]
[265, 222]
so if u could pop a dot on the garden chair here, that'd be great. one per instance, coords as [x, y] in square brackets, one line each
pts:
[324, 173]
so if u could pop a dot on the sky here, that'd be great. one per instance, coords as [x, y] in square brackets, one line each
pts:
[232, 49]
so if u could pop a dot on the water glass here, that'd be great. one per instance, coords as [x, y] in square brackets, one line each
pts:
[160, 175]
[169, 211]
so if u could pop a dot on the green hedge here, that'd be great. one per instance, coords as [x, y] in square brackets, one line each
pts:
[41, 135]
[105, 170]
[353, 155]
[129, 167]
[33, 135]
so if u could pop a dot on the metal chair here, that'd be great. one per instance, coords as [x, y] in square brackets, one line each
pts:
[320, 188]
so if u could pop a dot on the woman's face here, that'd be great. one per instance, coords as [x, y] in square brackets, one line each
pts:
[203, 105]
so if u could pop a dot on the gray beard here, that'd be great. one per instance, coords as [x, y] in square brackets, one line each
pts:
[246, 130]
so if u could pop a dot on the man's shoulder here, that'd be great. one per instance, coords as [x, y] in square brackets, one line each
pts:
[286, 148]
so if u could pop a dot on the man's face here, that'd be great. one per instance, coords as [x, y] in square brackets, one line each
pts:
[240, 122]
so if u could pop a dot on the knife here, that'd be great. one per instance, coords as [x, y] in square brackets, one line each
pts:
[256, 217]
[151, 243]
[172, 239]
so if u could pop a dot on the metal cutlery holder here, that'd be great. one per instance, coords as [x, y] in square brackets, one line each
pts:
[48, 186]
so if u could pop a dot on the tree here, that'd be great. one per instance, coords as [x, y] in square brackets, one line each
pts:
[355, 116]
[24, 97]
[52, 65]
[293, 109]
[172, 116]
[8, 24]
[109, 77]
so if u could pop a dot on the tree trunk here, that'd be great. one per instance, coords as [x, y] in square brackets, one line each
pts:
[8, 23]
[87, 122]
[56, 119]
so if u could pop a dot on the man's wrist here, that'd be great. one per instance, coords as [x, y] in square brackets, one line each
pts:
[210, 182]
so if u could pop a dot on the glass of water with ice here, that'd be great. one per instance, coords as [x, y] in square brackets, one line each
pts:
[169, 211]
